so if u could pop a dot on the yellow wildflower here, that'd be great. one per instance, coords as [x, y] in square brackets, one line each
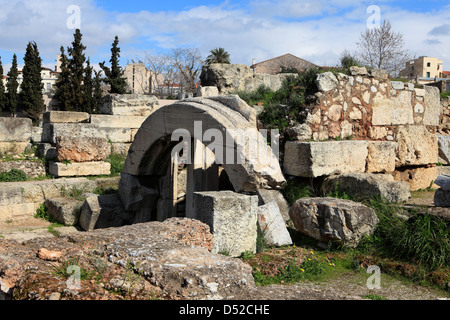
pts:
[302, 270]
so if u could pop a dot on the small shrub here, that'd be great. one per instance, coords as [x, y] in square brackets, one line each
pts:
[117, 162]
[295, 190]
[13, 175]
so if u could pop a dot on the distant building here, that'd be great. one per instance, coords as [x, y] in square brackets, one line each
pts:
[278, 64]
[423, 70]
[138, 78]
[48, 76]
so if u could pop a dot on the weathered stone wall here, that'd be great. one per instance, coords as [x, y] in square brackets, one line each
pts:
[230, 78]
[395, 122]
[370, 106]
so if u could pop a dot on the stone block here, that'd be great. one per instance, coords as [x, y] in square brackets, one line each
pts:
[416, 146]
[232, 220]
[269, 195]
[326, 81]
[64, 210]
[442, 198]
[398, 85]
[97, 168]
[13, 147]
[333, 220]
[207, 91]
[363, 186]
[443, 148]
[82, 149]
[15, 129]
[53, 130]
[47, 151]
[17, 211]
[315, 159]
[417, 178]
[65, 117]
[111, 121]
[36, 134]
[99, 212]
[392, 111]
[273, 226]
[129, 105]
[443, 181]
[120, 148]
[381, 156]
[432, 106]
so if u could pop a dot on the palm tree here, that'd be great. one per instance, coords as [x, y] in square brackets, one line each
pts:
[218, 55]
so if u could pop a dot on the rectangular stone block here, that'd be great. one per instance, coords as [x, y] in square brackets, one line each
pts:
[59, 169]
[432, 106]
[381, 157]
[82, 149]
[416, 146]
[65, 117]
[13, 147]
[64, 210]
[112, 121]
[443, 148]
[232, 219]
[272, 225]
[36, 134]
[315, 159]
[32, 169]
[129, 105]
[46, 151]
[15, 129]
[17, 211]
[417, 178]
[392, 111]
[99, 212]
[53, 130]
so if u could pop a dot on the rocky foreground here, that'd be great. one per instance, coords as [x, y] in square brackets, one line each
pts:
[169, 260]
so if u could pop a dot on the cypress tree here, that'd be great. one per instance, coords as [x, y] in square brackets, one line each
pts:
[114, 75]
[76, 67]
[87, 88]
[62, 94]
[12, 86]
[2, 90]
[31, 100]
[97, 99]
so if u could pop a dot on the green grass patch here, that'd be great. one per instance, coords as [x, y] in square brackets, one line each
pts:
[13, 175]
[117, 162]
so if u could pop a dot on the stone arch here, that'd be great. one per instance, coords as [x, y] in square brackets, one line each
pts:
[150, 156]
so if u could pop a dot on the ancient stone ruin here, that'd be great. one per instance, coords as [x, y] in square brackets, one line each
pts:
[190, 166]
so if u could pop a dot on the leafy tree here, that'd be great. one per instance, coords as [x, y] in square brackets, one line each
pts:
[348, 60]
[12, 85]
[114, 75]
[62, 94]
[218, 55]
[2, 89]
[383, 48]
[76, 67]
[97, 98]
[31, 100]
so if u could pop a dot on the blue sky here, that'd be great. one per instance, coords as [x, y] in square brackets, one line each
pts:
[316, 30]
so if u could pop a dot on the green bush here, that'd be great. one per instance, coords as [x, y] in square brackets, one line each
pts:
[444, 95]
[13, 175]
[117, 162]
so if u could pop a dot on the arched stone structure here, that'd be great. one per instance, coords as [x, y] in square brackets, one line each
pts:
[151, 157]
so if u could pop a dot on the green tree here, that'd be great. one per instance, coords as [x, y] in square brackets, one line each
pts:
[218, 55]
[62, 94]
[87, 88]
[76, 67]
[114, 75]
[2, 89]
[12, 86]
[97, 99]
[30, 96]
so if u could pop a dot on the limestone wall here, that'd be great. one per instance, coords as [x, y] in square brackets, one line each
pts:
[398, 121]
[370, 106]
